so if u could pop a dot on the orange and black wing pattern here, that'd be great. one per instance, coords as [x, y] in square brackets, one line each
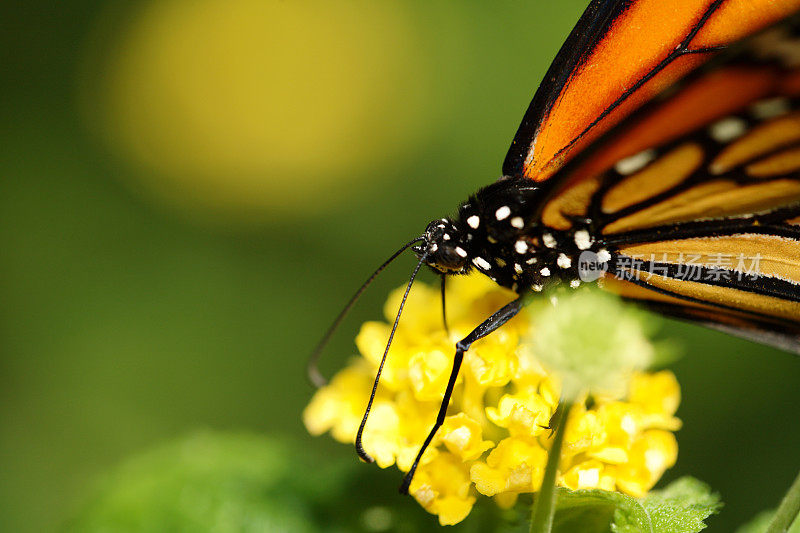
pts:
[620, 55]
[694, 194]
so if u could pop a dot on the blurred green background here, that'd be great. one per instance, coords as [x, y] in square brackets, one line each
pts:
[192, 189]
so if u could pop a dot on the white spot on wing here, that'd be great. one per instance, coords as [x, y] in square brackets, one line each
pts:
[521, 247]
[549, 240]
[770, 107]
[603, 256]
[545, 272]
[502, 213]
[517, 222]
[636, 162]
[727, 129]
[517, 268]
[474, 221]
[575, 283]
[460, 251]
[564, 261]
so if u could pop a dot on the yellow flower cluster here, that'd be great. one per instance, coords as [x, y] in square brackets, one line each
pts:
[502, 405]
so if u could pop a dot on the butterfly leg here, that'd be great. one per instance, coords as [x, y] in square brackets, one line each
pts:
[489, 325]
[444, 305]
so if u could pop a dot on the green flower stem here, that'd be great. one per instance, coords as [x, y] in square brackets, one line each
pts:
[788, 510]
[544, 506]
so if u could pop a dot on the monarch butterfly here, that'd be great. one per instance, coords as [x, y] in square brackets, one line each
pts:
[659, 155]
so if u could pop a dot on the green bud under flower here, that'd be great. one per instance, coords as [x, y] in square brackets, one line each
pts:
[592, 341]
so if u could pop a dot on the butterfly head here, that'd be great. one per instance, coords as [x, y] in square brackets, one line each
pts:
[444, 247]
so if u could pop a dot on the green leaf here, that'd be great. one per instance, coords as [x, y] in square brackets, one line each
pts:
[590, 511]
[679, 508]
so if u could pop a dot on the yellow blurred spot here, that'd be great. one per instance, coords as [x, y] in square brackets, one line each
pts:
[247, 106]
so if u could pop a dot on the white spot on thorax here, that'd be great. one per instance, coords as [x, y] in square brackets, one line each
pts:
[583, 240]
[502, 213]
[482, 263]
[446, 236]
[564, 261]
[727, 129]
[474, 221]
[521, 247]
[517, 222]
[460, 251]
[545, 272]
[434, 247]
[549, 240]
[636, 162]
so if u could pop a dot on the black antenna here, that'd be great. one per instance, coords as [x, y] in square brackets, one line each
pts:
[314, 374]
[359, 448]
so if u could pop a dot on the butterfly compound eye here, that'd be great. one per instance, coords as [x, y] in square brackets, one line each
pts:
[443, 246]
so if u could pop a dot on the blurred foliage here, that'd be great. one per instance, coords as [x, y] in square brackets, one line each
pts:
[139, 304]
[246, 483]
[225, 482]
[205, 482]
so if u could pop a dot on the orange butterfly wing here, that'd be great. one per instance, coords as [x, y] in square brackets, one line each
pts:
[620, 55]
[696, 195]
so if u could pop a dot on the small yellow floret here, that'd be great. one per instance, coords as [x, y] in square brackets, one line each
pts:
[515, 465]
[526, 414]
[442, 487]
[463, 437]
